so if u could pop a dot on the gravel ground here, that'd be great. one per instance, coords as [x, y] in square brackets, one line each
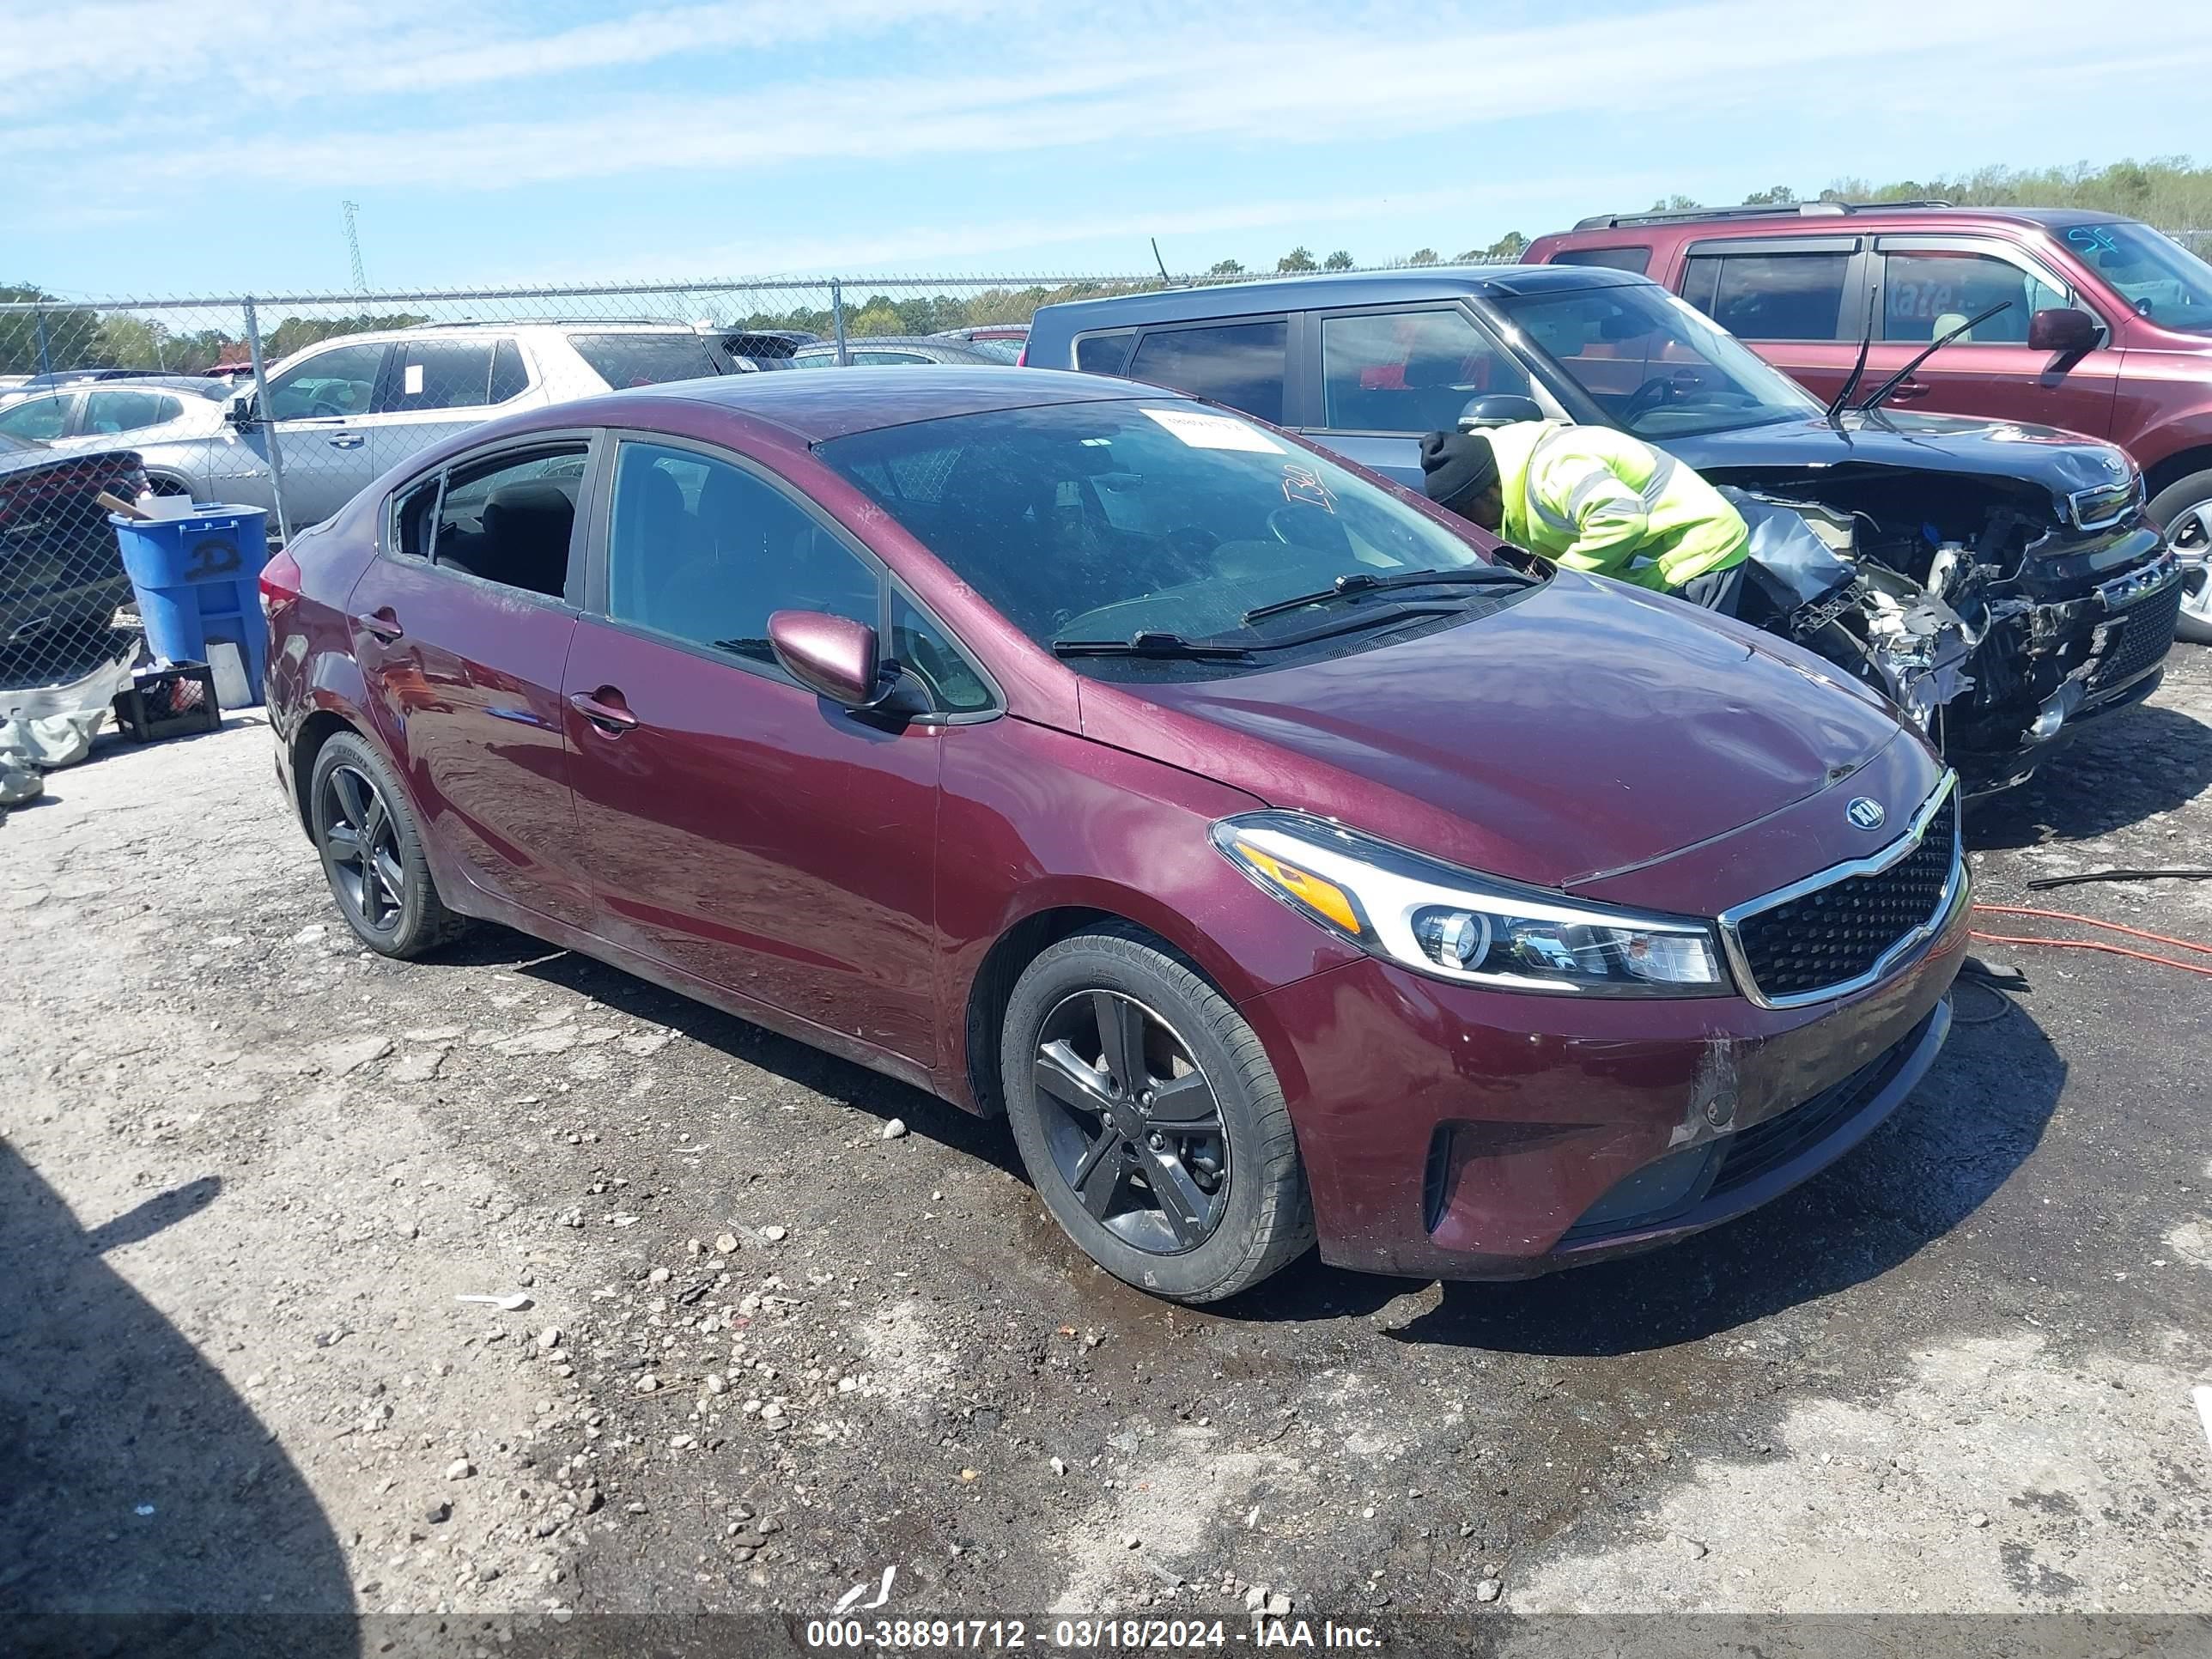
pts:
[789, 1325]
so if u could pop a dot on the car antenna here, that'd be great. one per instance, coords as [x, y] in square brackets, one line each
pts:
[1934, 346]
[1161, 263]
[1858, 370]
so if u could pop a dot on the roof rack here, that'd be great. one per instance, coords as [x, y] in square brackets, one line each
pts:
[1803, 209]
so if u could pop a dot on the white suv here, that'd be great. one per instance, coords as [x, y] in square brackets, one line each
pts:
[347, 410]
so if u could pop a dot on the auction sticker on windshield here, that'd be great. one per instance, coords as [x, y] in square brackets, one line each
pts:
[1203, 431]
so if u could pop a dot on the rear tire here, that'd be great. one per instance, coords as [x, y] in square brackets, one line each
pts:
[372, 852]
[1161, 1146]
[2184, 509]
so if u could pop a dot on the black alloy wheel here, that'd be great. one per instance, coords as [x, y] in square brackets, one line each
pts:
[361, 839]
[1131, 1122]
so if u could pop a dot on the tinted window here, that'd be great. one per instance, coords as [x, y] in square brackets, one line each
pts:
[1408, 371]
[1240, 364]
[1104, 354]
[439, 375]
[508, 520]
[38, 418]
[923, 650]
[128, 411]
[331, 384]
[1772, 296]
[628, 360]
[508, 376]
[705, 551]
[1098, 521]
[1925, 295]
[1637, 259]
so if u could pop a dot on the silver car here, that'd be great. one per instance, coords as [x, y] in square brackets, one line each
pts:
[346, 410]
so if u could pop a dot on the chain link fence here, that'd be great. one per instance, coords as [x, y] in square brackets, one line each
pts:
[294, 402]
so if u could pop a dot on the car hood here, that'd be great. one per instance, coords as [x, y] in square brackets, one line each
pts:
[1584, 730]
[2063, 462]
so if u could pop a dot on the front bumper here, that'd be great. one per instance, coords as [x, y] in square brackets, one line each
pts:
[1452, 1132]
[2091, 640]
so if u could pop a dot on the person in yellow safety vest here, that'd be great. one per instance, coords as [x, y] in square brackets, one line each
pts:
[1592, 499]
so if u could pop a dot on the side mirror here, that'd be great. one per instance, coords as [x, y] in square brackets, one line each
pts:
[832, 657]
[239, 409]
[1498, 409]
[2063, 329]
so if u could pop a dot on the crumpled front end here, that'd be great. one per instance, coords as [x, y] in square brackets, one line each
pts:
[1996, 614]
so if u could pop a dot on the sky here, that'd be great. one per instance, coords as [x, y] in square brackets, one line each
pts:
[170, 146]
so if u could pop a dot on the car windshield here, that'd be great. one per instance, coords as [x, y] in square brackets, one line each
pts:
[1100, 521]
[2162, 279]
[1654, 366]
[1006, 351]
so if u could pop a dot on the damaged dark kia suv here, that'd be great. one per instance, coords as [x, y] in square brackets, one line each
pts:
[1999, 582]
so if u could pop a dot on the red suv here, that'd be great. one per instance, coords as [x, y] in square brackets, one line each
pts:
[2106, 329]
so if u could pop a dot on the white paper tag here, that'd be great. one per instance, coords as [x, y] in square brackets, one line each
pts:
[414, 379]
[1203, 431]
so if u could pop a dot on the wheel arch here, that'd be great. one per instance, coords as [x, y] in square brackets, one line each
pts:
[991, 987]
[2173, 469]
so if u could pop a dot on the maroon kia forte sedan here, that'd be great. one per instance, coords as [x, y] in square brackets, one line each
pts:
[1281, 862]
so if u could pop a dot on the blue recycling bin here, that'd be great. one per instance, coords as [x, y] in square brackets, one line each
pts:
[198, 581]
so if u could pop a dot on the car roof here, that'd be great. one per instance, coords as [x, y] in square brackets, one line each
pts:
[1825, 218]
[1307, 293]
[816, 407]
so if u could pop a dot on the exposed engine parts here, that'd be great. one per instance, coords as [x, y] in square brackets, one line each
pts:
[1960, 599]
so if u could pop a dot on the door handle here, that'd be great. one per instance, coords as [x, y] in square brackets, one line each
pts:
[383, 622]
[348, 441]
[1908, 389]
[605, 708]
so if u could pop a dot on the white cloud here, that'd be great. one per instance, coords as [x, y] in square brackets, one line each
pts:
[1295, 81]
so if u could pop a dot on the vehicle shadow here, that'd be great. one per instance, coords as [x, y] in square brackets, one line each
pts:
[147, 1510]
[1979, 1114]
[811, 1068]
[2150, 759]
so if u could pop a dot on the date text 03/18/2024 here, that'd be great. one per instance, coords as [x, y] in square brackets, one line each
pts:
[1118, 1635]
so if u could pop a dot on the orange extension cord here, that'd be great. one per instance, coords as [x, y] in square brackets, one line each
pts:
[2093, 945]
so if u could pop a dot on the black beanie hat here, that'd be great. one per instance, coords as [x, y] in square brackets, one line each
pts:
[1456, 467]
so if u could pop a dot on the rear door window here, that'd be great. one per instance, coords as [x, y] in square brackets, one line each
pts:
[509, 519]
[1927, 294]
[1408, 371]
[628, 360]
[1240, 364]
[437, 374]
[129, 411]
[1772, 296]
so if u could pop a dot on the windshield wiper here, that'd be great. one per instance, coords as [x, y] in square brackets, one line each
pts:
[1354, 583]
[1934, 346]
[1151, 643]
[1858, 370]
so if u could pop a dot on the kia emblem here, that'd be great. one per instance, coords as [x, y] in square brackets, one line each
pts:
[1865, 812]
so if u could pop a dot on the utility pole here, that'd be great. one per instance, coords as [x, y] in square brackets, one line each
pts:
[353, 246]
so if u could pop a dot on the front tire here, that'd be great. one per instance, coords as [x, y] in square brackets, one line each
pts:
[1149, 1121]
[2183, 509]
[372, 852]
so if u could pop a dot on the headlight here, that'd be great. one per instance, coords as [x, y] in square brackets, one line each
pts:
[1447, 923]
